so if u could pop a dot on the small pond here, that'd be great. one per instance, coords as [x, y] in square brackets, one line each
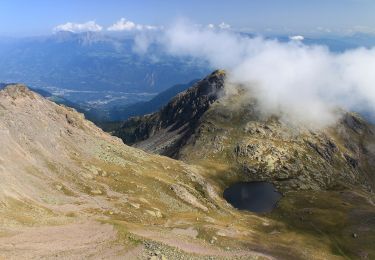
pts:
[257, 196]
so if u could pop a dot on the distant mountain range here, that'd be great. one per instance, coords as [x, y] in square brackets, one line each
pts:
[92, 61]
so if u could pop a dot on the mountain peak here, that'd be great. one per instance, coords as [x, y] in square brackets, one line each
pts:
[178, 118]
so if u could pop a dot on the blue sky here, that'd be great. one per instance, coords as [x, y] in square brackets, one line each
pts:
[25, 17]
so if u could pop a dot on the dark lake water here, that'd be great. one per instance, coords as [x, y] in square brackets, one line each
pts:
[253, 196]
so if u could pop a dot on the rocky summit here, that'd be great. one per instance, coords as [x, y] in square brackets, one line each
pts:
[69, 190]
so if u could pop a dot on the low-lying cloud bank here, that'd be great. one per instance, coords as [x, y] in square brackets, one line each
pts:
[300, 83]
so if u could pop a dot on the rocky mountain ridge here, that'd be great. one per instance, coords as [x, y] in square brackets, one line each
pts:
[177, 120]
[230, 130]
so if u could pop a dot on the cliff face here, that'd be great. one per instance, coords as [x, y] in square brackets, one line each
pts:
[171, 127]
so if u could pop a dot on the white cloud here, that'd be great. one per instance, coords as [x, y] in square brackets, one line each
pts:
[299, 83]
[296, 38]
[211, 26]
[91, 26]
[221, 26]
[224, 26]
[126, 25]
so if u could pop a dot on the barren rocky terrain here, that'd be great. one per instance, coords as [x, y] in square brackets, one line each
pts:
[69, 190]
